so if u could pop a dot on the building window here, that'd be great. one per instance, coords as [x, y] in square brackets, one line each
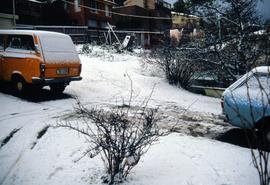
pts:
[108, 11]
[104, 25]
[93, 6]
[1, 42]
[92, 23]
[65, 5]
[77, 5]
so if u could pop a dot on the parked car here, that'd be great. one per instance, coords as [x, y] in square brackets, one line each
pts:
[37, 59]
[246, 103]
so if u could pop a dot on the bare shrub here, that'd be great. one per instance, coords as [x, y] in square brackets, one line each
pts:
[179, 64]
[120, 135]
[260, 155]
[87, 49]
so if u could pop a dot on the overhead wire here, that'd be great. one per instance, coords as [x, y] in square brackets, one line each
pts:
[142, 16]
[120, 14]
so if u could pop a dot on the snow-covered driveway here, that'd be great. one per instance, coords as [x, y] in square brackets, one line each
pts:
[35, 154]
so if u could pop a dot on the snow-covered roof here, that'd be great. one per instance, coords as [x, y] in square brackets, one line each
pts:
[31, 32]
[260, 32]
[110, 2]
[183, 14]
[36, 1]
[261, 69]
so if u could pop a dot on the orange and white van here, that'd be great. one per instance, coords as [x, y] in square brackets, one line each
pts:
[37, 59]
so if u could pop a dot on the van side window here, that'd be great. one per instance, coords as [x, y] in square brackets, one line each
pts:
[1, 42]
[22, 42]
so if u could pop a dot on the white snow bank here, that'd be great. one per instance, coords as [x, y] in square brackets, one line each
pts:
[105, 79]
[181, 160]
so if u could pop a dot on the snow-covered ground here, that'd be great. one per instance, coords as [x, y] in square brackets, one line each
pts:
[28, 157]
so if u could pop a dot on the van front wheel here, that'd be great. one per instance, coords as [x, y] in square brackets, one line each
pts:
[19, 85]
[57, 88]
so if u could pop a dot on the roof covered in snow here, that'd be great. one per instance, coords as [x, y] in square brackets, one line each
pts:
[31, 32]
[261, 69]
[183, 14]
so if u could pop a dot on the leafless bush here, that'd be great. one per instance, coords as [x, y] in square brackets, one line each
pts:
[120, 135]
[179, 64]
[260, 156]
[87, 49]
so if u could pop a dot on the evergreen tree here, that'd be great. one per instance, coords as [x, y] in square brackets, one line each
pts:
[229, 25]
[181, 6]
[189, 6]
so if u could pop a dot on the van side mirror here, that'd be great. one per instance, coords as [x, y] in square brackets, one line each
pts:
[37, 49]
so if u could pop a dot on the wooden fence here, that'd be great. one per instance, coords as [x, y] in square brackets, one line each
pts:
[81, 34]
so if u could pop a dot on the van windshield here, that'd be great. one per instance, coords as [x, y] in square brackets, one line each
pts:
[51, 43]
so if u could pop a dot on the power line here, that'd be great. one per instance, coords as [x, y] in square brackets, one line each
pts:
[144, 17]
[131, 15]
[120, 14]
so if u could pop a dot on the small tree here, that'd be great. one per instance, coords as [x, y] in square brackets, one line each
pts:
[231, 28]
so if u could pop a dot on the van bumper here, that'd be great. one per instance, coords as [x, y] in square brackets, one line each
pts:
[48, 81]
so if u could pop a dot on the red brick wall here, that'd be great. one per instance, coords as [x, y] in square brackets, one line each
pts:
[82, 17]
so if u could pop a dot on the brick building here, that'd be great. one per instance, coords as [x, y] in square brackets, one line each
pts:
[97, 17]
[27, 11]
[185, 28]
[147, 30]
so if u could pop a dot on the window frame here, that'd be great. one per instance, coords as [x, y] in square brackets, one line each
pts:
[2, 48]
[108, 11]
[77, 4]
[94, 5]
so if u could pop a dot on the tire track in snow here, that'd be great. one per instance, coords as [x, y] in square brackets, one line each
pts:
[8, 138]
[13, 166]
[22, 114]
[24, 150]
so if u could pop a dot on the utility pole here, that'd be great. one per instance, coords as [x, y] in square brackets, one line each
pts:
[14, 16]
